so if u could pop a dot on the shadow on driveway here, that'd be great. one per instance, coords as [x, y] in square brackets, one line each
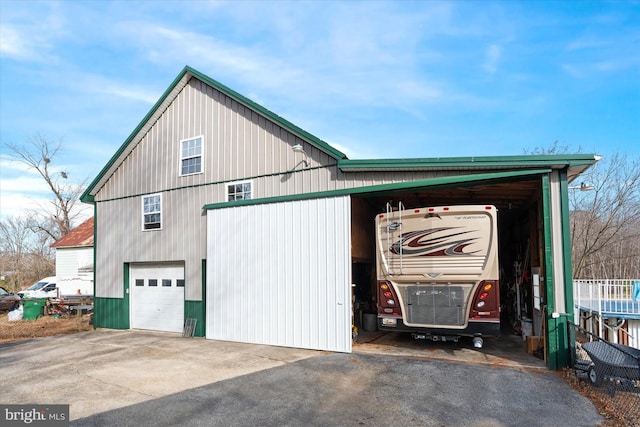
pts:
[365, 389]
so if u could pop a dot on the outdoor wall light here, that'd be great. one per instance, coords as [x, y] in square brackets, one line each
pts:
[298, 149]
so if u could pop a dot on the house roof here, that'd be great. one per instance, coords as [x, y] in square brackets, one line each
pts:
[80, 236]
[576, 164]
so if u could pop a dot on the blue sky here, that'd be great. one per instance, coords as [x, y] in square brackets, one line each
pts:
[375, 79]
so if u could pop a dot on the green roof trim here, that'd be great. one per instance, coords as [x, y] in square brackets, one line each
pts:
[312, 139]
[182, 79]
[386, 188]
[461, 162]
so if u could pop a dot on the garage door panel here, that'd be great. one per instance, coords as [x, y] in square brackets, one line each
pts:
[279, 274]
[157, 297]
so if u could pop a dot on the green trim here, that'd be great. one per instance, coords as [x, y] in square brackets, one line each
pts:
[183, 78]
[87, 197]
[95, 250]
[552, 332]
[203, 265]
[380, 189]
[112, 313]
[197, 309]
[312, 139]
[205, 184]
[466, 162]
[125, 299]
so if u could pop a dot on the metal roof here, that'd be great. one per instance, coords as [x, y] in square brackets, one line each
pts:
[81, 236]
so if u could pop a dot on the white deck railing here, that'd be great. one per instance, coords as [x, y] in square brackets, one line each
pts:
[608, 298]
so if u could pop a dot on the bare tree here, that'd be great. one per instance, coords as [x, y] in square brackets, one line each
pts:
[605, 222]
[39, 153]
[23, 257]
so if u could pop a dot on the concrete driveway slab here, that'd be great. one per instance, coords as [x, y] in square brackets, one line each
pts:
[363, 389]
[107, 369]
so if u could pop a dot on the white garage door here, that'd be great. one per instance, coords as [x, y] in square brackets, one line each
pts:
[279, 274]
[157, 297]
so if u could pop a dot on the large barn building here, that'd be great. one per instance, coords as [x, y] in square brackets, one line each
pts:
[219, 210]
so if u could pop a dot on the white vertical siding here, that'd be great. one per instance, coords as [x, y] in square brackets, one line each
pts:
[69, 260]
[279, 274]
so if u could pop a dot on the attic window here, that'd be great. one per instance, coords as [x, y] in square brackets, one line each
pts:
[191, 156]
[152, 212]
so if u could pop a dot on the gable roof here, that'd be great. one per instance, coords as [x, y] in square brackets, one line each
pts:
[576, 164]
[163, 103]
[81, 236]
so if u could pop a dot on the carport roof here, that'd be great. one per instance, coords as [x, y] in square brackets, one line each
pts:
[575, 163]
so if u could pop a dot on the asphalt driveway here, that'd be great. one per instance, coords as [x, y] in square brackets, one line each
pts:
[133, 378]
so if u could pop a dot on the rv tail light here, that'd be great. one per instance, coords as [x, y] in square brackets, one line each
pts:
[487, 299]
[387, 298]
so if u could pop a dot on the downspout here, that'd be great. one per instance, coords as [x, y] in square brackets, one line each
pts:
[95, 247]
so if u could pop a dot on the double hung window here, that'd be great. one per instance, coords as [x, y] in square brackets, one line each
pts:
[152, 212]
[191, 156]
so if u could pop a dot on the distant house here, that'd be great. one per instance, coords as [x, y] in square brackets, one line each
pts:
[74, 252]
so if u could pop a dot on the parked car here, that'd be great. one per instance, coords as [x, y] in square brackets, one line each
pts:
[8, 300]
[43, 288]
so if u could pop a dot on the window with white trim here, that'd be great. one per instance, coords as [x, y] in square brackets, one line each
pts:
[191, 156]
[239, 191]
[152, 212]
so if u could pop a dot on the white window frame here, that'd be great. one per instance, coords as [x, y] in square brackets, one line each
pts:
[188, 157]
[159, 212]
[238, 183]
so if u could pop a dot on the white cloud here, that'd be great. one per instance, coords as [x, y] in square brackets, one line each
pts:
[30, 33]
[492, 57]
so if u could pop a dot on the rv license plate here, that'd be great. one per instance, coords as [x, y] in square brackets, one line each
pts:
[386, 321]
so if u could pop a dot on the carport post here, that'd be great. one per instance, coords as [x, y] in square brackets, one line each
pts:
[557, 247]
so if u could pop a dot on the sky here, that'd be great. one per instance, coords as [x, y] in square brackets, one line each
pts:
[375, 79]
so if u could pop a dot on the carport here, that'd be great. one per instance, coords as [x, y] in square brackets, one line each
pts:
[533, 237]
[530, 223]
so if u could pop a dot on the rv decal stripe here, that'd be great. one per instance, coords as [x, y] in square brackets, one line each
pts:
[420, 243]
